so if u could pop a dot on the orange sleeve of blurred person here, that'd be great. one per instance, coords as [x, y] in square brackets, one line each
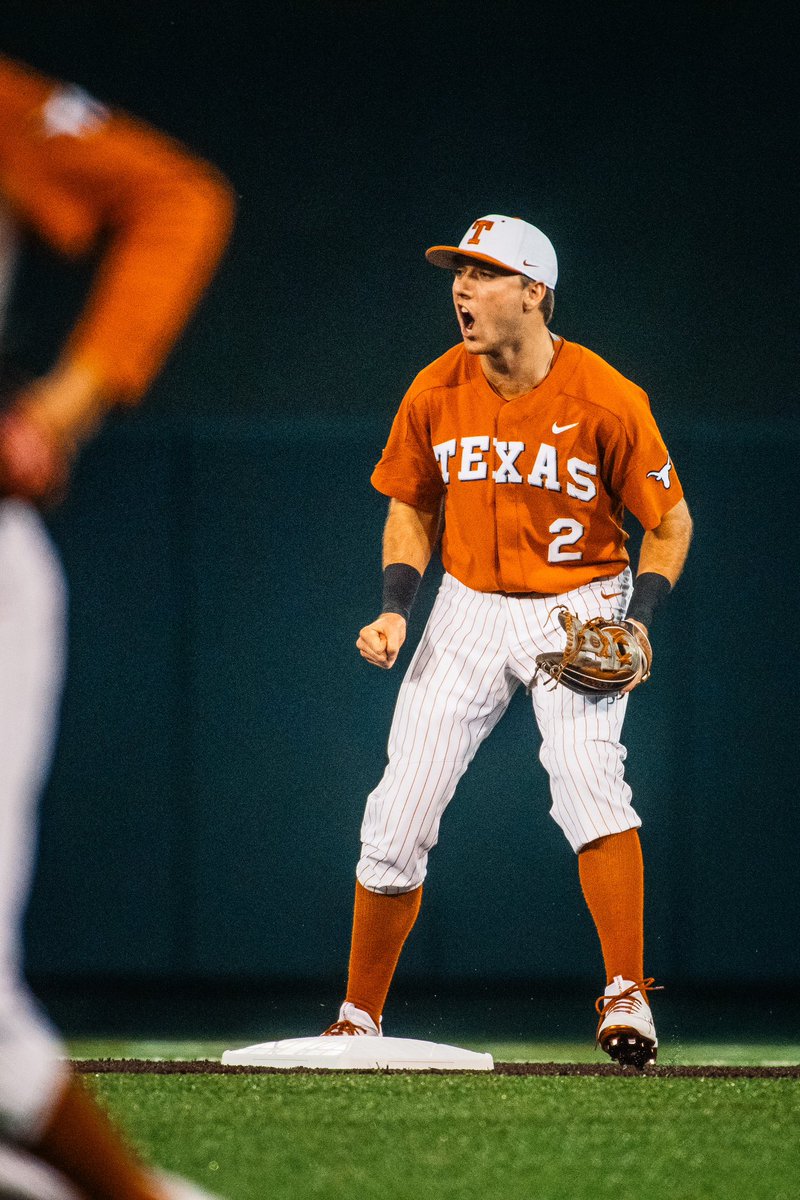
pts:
[83, 177]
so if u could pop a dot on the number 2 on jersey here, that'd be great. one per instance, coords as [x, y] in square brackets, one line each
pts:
[570, 532]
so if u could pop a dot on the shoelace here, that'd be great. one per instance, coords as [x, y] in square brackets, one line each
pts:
[340, 1027]
[626, 1001]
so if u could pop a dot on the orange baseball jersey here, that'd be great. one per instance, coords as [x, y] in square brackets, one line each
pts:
[75, 172]
[535, 488]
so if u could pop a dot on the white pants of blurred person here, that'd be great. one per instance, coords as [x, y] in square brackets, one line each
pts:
[32, 640]
[25, 1178]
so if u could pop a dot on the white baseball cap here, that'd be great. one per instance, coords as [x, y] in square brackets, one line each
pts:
[507, 242]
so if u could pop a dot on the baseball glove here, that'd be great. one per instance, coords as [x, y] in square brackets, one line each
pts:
[601, 657]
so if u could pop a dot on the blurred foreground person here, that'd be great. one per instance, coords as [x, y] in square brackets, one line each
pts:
[80, 177]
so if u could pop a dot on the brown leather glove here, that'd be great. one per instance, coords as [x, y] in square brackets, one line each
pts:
[601, 657]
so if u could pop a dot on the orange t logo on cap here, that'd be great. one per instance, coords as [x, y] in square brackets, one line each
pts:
[479, 228]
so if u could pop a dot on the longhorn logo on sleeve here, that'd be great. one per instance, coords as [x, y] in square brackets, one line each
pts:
[72, 112]
[663, 474]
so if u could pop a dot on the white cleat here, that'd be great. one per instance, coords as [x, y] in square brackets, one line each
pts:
[626, 1030]
[353, 1022]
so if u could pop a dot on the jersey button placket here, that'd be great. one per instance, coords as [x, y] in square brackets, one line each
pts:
[506, 510]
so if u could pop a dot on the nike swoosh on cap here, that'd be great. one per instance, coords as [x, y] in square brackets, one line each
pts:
[564, 428]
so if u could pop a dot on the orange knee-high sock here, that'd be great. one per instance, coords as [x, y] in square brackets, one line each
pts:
[612, 877]
[83, 1145]
[381, 925]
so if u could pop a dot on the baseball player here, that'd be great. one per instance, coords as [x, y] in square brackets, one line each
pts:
[524, 449]
[81, 178]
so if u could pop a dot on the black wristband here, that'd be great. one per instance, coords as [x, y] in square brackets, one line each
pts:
[400, 583]
[648, 592]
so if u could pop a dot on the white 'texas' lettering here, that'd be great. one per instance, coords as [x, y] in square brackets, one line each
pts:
[584, 487]
[545, 469]
[443, 453]
[473, 465]
[581, 484]
[508, 452]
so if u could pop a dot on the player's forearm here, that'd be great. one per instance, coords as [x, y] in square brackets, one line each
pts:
[68, 403]
[664, 549]
[409, 536]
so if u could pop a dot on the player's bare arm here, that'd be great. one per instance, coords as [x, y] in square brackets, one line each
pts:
[664, 549]
[124, 184]
[409, 537]
[51, 417]
[661, 561]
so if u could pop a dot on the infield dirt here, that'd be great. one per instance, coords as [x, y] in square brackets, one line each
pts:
[141, 1066]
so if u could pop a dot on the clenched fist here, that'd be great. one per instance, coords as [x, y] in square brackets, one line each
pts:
[380, 642]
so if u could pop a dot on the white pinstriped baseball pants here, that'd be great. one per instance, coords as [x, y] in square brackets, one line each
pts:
[475, 651]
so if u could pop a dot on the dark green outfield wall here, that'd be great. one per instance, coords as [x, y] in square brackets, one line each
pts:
[220, 732]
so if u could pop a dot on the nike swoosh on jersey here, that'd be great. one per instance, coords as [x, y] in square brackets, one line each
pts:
[564, 428]
[610, 595]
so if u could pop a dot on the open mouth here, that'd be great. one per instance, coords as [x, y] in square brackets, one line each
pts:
[466, 318]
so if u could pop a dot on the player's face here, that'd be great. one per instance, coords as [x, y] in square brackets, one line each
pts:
[489, 307]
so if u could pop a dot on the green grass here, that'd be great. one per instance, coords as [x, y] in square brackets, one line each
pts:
[471, 1138]
[409, 1137]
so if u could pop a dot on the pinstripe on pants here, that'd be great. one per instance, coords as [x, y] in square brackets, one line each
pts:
[476, 649]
